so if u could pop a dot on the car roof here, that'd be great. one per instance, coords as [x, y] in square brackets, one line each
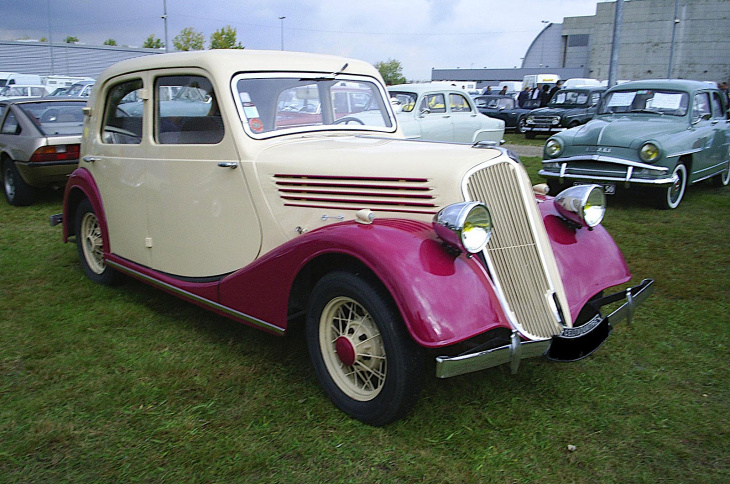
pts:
[677, 84]
[425, 87]
[226, 63]
[44, 99]
[586, 88]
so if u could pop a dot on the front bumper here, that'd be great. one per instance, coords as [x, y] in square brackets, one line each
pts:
[572, 344]
[604, 169]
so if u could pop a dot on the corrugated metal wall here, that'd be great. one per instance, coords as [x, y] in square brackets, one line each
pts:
[68, 59]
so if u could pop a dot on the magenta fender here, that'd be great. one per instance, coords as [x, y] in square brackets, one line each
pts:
[444, 298]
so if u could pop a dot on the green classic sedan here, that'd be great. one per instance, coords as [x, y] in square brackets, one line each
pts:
[660, 135]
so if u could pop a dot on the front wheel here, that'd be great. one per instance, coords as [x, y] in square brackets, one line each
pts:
[90, 245]
[670, 197]
[520, 126]
[361, 351]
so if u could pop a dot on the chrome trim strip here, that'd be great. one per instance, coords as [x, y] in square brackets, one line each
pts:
[607, 159]
[682, 153]
[659, 181]
[231, 313]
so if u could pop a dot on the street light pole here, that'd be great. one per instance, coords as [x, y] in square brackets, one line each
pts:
[542, 44]
[671, 46]
[164, 17]
[282, 32]
[617, 21]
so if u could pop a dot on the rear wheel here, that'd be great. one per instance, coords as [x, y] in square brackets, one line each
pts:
[670, 197]
[90, 245]
[723, 179]
[17, 192]
[361, 351]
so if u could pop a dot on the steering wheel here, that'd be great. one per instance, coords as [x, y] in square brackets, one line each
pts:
[348, 119]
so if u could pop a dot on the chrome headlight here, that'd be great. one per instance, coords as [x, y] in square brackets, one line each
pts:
[583, 204]
[553, 147]
[530, 120]
[649, 152]
[465, 225]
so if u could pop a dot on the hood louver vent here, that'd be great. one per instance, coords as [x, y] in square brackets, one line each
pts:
[403, 195]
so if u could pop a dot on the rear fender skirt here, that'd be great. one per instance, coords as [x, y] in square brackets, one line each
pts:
[589, 261]
[443, 298]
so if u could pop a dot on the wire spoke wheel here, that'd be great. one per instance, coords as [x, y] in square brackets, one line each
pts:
[352, 349]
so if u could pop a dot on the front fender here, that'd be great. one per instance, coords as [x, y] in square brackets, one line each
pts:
[81, 185]
[589, 261]
[443, 298]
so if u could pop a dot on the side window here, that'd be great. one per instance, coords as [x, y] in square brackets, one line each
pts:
[435, 103]
[595, 98]
[459, 104]
[123, 114]
[701, 105]
[717, 106]
[10, 126]
[186, 111]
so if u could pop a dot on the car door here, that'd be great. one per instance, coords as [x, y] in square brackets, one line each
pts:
[706, 137]
[202, 221]
[464, 118]
[434, 119]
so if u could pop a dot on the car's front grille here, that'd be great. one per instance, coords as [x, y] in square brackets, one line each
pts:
[402, 195]
[514, 252]
[549, 120]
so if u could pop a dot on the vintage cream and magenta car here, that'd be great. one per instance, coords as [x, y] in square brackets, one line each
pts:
[390, 251]
[656, 135]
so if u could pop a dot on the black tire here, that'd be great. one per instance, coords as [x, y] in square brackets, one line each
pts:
[670, 197]
[17, 192]
[89, 244]
[361, 351]
[520, 126]
[722, 179]
[555, 187]
[530, 134]
[573, 124]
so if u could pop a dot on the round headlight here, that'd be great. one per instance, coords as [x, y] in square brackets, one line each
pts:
[649, 152]
[582, 204]
[553, 147]
[530, 120]
[466, 226]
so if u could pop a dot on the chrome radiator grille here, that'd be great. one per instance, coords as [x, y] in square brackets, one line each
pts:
[513, 252]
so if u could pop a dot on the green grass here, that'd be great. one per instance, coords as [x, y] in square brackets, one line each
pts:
[128, 384]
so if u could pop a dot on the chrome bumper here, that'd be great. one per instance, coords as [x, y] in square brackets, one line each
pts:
[572, 344]
[664, 178]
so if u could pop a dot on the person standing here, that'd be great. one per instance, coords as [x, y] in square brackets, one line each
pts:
[523, 97]
[545, 96]
[558, 86]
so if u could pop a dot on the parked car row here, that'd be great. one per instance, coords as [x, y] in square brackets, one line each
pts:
[390, 251]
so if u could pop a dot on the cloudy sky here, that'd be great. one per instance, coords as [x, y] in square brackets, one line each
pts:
[421, 34]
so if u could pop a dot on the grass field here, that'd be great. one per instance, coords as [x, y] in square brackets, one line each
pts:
[128, 384]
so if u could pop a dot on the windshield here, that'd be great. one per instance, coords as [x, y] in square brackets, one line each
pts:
[495, 102]
[275, 104]
[673, 103]
[403, 101]
[56, 118]
[564, 98]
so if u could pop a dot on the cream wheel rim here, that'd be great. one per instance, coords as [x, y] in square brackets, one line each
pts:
[352, 349]
[92, 243]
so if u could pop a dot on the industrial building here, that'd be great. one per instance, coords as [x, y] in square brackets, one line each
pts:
[691, 34]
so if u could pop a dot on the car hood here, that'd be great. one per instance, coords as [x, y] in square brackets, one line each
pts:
[334, 177]
[622, 132]
[554, 111]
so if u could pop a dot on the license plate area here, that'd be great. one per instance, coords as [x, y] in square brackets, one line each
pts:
[608, 188]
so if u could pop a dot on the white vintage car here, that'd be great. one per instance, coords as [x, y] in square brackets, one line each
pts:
[436, 112]
[295, 199]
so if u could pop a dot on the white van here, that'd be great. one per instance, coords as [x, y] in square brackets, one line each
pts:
[512, 86]
[581, 81]
[9, 78]
[54, 82]
[533, 80]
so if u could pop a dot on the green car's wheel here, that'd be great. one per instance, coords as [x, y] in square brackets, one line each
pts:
[670, 197]
[723, 179]
[361, 351]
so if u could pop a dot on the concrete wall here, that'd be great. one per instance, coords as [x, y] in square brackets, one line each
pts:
[701, 46]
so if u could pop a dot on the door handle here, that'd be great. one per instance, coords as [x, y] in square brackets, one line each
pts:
[90, 159]
[228, 164]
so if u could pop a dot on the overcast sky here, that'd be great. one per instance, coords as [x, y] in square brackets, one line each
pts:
[421, 34]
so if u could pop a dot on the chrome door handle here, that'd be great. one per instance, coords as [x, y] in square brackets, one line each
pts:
[228, 164]
[90, 159]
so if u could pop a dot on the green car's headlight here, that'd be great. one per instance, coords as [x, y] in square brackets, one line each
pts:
[649, 152]
[465, 225]
[553, 148]
[584, 205]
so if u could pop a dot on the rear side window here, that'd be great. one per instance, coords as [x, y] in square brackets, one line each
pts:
[10, 125]
[186, 111]
[123, 114]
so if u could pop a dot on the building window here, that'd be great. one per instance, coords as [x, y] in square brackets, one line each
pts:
[578, 40]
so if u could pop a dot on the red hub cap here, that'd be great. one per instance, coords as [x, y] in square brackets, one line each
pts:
[345, 351]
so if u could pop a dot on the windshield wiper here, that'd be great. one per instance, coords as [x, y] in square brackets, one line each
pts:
[327, 77]
[645, 110]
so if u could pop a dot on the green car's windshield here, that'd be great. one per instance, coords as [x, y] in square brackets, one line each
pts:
[565, 99]
[636, 101]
